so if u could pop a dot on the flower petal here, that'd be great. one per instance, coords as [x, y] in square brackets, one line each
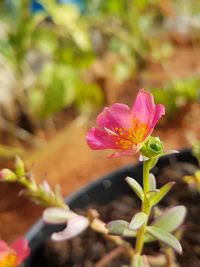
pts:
[74, 227]
[123, 153]
[21, 248]
[145, 110]
[99, 139]
[118, 115]
[3, 246]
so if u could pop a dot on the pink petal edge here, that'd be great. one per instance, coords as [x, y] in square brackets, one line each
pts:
[74, 227]
[99, 139]
[22, 249]
[117, 115]
[3, 246]
[145, 110]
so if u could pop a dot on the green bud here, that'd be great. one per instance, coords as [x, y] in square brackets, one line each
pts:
[7, 175]
[152, 148]
[19, 166]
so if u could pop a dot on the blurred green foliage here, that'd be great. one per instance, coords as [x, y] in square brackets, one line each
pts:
[48, 54]
[130, 29]
[177, 93]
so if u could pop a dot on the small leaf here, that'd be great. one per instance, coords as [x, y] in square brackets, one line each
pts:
[152, 181]
[171, 219]
[151, 193]
[57, 215]
[155, 198]
[165, 237]
[117, 227]
[129, 233]
[136, 187]
[137, 261]
[19, 166]
[137, 221]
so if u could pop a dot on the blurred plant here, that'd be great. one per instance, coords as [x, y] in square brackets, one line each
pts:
[177, 93]
[194, 180]
[45, 57]
[129, 29]
[196, 151]
[15, 254]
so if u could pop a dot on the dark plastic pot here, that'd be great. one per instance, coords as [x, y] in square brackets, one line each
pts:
[101, 191]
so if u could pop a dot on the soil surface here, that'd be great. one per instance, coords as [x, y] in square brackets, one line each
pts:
[89, 248]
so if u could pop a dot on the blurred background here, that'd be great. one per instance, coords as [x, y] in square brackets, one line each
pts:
[62, 61]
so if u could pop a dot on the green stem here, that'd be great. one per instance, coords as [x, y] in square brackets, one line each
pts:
[146, 208]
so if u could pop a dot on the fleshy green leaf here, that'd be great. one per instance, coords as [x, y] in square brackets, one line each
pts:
[155, 198]
[137, 261]
[152, 181]
[129, 233]
[58, 215]
[117, 227]
[137, 221]
[165, 237]
[120, 227]
[136, 187]
[171, 219]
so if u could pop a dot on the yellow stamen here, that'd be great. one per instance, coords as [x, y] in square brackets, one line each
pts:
[9, 260]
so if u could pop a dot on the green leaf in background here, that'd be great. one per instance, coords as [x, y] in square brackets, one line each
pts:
[158, 196]
[138, 220]
[63, 15]
[165, 237]
[81, 38]
[136, 187]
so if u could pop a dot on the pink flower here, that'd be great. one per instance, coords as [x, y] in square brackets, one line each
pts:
[123, 129]
[15, 254]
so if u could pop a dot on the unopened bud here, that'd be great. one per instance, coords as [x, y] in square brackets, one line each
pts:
[19, 166]
[7, 175]
[153, 147]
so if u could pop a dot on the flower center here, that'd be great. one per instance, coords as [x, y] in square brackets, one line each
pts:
[9, 259]
[127, 137]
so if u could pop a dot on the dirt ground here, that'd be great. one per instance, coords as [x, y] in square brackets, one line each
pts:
[67, 160]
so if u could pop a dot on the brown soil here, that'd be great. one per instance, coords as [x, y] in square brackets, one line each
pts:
[73, 253]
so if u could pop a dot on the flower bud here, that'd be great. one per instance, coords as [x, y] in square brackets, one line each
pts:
[153, 147]
[19, 166]
[7, 175]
